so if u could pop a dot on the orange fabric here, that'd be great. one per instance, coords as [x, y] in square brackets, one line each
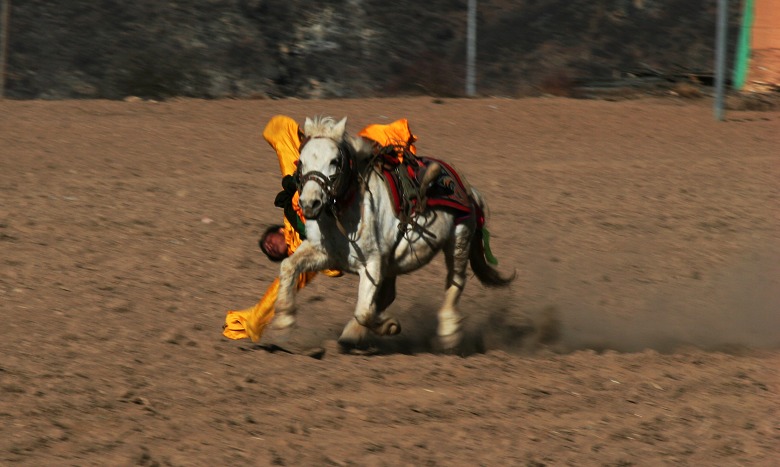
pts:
[251, 322]
[282, 133]
[396, 134]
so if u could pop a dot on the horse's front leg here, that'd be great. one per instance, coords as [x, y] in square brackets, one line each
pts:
[375, 294]
[306, 258]
[355, 334]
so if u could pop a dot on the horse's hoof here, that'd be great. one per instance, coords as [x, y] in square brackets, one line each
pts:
[390, 327]
[451, 342]
[354, 336]
[282, 322]
[352, 345]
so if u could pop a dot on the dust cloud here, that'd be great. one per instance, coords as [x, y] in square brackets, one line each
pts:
[739, 309]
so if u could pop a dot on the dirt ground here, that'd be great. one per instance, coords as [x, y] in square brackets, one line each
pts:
[643, 327]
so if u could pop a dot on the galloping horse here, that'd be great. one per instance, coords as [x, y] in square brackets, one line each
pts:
[351, 225]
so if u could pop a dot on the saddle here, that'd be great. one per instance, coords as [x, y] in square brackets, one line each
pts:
[417, 182]
[421, 182]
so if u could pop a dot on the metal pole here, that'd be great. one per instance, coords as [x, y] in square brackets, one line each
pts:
[4, 13]
[471, 49]
[720, 58]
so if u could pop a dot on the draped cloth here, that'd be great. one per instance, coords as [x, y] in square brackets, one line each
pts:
[283, 134]
[396, 135]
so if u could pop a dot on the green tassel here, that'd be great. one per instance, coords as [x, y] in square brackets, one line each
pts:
[486, 244]
[300, 227]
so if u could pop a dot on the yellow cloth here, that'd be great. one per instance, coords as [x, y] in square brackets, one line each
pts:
[252, 322]
[283, 134]
[396, 134]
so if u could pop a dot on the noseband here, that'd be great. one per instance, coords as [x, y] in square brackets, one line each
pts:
[337, 186]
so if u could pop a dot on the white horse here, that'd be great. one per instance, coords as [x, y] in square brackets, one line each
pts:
[351, 225]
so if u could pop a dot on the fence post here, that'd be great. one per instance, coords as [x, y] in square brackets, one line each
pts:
[471, 49]
[720, 57]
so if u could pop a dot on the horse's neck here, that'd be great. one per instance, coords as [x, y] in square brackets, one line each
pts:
[382, 203]
[370, 214]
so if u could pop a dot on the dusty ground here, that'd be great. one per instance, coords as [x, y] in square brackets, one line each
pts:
[643, 328]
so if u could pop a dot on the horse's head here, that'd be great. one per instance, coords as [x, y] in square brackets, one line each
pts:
[326, 166]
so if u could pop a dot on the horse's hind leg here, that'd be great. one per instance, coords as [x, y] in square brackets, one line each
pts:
[456, 255]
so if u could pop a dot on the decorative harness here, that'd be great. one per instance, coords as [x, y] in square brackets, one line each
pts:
[409, 182]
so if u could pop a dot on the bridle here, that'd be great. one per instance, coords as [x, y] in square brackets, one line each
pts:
[338, 187]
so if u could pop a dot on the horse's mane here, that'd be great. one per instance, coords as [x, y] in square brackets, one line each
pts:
[328, 127]
[322, 127]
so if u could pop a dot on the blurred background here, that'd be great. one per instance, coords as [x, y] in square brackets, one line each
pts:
[361, 48]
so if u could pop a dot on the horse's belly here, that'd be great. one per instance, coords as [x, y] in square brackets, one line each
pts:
[405, 266]
[410, 256]
[418, 246]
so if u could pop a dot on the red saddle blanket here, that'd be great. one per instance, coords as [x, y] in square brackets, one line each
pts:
[447, 190]
[394, 144]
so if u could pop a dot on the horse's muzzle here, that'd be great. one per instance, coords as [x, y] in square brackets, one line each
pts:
[311, 208]
[314, 195]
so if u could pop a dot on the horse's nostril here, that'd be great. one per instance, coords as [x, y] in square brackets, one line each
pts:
[316, 204]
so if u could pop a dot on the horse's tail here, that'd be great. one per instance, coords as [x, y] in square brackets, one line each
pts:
[486, 273]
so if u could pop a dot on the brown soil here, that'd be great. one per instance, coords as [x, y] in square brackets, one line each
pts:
[643, 328]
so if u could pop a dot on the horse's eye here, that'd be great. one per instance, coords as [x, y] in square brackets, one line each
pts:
[334, 162]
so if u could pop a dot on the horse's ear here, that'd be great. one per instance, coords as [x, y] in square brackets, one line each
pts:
[340, 127]
[308, 126]
[362, 147]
